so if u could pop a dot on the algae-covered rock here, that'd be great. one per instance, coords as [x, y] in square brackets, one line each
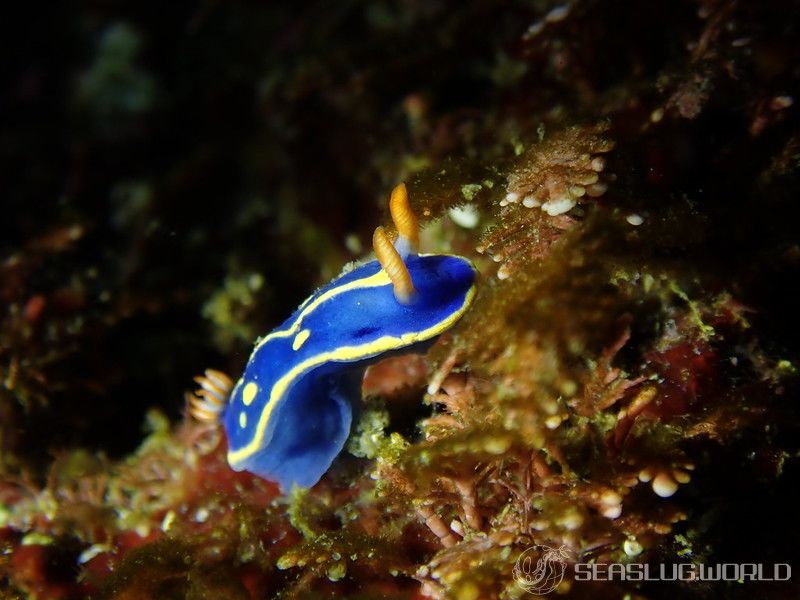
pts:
[623, 390]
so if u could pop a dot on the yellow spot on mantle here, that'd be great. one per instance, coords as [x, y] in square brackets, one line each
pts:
[300, 339]
[249, 393]
[242, 419]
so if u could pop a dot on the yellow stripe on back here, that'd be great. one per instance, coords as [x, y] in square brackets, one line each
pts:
[377, 280]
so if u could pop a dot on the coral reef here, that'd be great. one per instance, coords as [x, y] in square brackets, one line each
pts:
[623, 390]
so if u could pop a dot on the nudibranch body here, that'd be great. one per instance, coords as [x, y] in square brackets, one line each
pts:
[290, 413]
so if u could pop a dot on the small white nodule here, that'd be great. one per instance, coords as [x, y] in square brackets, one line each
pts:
[558, 206]
[466, 216]
[530, 202]
[635, 220]
[664, 485]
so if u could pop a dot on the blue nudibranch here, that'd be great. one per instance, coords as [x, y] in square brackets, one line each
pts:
[290, 413]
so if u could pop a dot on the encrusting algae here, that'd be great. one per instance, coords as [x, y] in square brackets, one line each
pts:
[621, 390]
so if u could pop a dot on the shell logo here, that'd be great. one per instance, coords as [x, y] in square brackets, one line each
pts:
[540, 569]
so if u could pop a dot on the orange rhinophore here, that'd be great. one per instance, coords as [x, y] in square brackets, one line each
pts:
[405, 220]
[393, 264]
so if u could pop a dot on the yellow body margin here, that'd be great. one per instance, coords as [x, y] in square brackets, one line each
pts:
[345, 353]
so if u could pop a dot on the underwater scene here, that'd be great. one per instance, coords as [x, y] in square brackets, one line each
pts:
[400, 299]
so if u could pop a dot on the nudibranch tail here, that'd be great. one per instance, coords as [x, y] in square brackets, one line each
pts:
[405, 220]
[393, 264]
[207, 403]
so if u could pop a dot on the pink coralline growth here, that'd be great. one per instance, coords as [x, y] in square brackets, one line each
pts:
[543, 189]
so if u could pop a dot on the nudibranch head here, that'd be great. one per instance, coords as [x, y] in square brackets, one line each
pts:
[289, 415]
